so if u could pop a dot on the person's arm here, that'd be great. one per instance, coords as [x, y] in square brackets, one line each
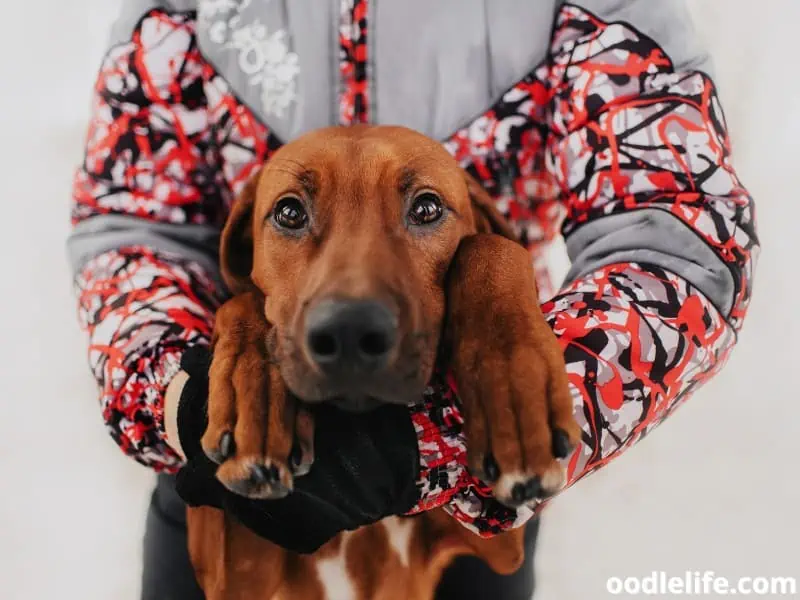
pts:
[660, 231]
[147, 211]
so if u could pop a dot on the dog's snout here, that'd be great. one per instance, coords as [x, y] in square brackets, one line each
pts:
[350, 336]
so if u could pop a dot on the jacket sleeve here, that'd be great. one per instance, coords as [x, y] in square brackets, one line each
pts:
[659, 229]
[147, 208]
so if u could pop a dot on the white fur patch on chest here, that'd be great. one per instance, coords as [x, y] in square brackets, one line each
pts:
[399, 532]
[333, 575]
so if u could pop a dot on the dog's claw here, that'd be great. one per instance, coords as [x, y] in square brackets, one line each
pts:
[264, 475]
[227, 445]
[525, 492]
[258, 474]
[562, 447]
[295, 456]
[224, 450]
[519, 493]
[259, 481]
[274, 473]
[491, 470]
[298, 466]
[533, 488]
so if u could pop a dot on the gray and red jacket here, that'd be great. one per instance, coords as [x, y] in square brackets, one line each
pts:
[597, 119]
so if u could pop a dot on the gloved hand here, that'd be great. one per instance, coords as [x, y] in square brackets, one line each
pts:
[366, 467]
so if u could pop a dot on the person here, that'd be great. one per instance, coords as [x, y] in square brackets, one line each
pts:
[597, 117]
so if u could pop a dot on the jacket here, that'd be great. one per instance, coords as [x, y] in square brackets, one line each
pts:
[596, 120]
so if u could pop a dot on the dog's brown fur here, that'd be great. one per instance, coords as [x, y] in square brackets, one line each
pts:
[457, 276]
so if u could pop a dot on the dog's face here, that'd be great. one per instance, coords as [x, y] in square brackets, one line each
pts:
[349, 233]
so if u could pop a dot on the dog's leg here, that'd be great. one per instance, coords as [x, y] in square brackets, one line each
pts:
[252, 419]
[231, 561]
[510, 372]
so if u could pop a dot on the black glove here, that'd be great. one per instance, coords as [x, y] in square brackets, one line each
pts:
[365, 469]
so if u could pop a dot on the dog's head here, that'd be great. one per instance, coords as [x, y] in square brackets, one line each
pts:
[349, 233]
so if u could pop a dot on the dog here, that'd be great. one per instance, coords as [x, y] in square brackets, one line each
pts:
[355, 258]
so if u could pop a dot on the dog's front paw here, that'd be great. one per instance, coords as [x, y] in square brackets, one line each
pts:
[257, 434]
[518, 423]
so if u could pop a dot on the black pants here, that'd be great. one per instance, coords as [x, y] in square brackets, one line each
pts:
[168, 573]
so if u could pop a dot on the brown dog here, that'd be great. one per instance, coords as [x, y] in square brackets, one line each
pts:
[355, 257]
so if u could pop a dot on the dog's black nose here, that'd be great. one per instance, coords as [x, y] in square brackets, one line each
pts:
[347, 337]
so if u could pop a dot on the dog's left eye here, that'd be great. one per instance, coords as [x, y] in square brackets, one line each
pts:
[427, 209]
[290, 213]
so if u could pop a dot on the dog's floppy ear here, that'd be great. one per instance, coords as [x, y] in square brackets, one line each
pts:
[236, 244]
[487, 218]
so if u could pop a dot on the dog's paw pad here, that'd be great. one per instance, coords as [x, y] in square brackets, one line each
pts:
[516, 489]
[521, 489]
[222, 450]
[300, 460]
[256, 478]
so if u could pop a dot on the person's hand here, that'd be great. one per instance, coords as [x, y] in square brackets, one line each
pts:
[365, 469]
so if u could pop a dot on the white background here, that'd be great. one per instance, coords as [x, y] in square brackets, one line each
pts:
[716, 488]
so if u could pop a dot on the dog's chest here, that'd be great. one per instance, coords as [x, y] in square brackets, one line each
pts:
[367, 563]
[334, 577]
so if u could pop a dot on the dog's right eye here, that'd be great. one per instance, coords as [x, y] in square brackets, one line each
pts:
[427, 209]
[290, 213]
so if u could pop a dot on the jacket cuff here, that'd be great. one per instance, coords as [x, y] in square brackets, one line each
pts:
[439, 426]
[444, 479]
[163, 372]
